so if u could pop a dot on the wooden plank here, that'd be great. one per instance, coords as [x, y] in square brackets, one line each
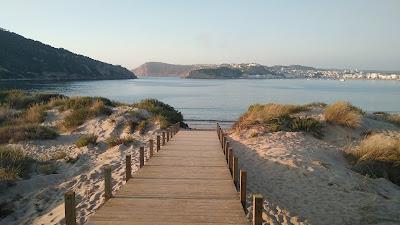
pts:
[187, 182]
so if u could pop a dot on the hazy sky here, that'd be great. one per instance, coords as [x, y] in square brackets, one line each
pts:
[361, 34]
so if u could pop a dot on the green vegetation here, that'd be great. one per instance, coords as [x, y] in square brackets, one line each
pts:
[163, 113]
[378, 155]
[15, 133]
[272, 116]
[84, 108]
[22, 58]
[343, 113]
[85, 140]
[114, 141]
[47, 167]
[142, 126]
[309, 125]
[18, 99]
[277, 117]
[13, 164]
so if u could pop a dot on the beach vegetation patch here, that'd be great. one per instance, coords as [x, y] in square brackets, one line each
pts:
[14, 164]
[85, 140]
[160, 110]
[378, 155]
[343, 113]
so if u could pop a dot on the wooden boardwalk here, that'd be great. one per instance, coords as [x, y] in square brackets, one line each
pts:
[186, 182]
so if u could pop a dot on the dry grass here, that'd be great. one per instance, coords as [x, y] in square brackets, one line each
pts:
[378, 155]
[114, 141]
[142, 126]
[35, 114]
[15, 133]
[13, 163]
[343, 113]
[83, 109]
[85, 140]
[273, 116]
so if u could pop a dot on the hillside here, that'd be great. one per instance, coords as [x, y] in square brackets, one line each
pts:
[22, 58]
[159, 69]
[215, 73]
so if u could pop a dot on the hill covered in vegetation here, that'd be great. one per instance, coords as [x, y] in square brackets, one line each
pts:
[22, 58]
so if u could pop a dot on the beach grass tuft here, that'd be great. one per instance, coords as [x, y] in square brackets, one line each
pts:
[343, 113]
[85, 140]
[378, 155]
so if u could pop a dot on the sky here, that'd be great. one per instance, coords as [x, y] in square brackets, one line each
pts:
[362, 34]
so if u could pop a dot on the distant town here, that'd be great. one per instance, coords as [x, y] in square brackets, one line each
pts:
[299, 71]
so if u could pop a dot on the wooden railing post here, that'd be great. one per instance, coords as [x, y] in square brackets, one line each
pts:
[235, 167]
[128, 167]
[151, 146]
[141, 159]
[70, 210]
[230, 160]
[243, 181]
[226, 150]
[167, 134]
[107, 182]
[257, 209]
[158, 143]
[163, 138]
[223, 142]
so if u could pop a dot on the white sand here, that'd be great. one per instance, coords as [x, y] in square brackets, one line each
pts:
[308, 181]
[40, 200]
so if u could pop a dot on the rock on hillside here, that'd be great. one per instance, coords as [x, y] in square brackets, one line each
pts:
[22, 58]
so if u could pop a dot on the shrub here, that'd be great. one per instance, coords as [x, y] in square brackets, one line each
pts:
[79, 115]
[378, 155]
[162, 121]
[343, 113]
[113, 141]
[99, 108]
[13, 163]
[272, 116]
[85, 140]
[309, 125]
[158, 108]
[19, 99]
[47, 168]
[15, 133]
[142, 126]
[6, 114]
[75, 118]
[35, 114]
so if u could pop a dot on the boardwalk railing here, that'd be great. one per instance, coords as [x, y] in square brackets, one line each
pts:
[233, 164]
[69, 197]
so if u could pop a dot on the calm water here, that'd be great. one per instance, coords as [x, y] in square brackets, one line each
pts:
[227, 99]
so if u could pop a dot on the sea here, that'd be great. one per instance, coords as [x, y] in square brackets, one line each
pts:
[203, 102]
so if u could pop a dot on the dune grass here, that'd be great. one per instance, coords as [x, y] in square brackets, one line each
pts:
[85, 140]
[15, 133]
[14, 164]
[142, 126]
[343, 113]
[83, 108]
[114, 141]
[378, 155]
[18, 99]
[164, 113]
